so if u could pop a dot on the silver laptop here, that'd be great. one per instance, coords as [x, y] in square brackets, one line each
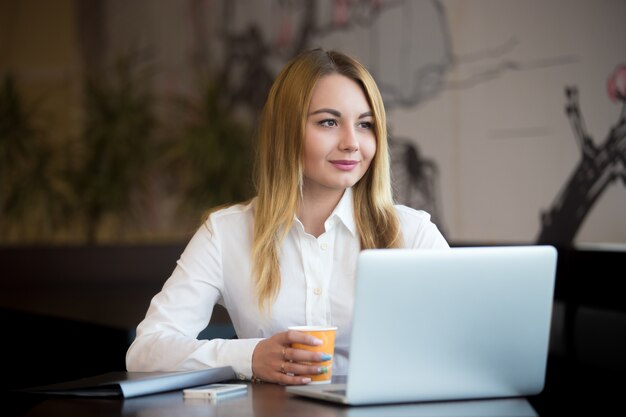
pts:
[434, 325]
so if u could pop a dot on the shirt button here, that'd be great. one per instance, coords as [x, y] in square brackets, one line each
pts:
[324, 246]
[317, 291]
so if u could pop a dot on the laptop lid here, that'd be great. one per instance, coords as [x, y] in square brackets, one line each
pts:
[455, 324]
[450, 324]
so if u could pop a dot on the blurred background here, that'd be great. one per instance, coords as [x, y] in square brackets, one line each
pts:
[122, 122]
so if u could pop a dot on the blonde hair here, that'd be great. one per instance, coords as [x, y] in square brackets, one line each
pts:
[279, 167]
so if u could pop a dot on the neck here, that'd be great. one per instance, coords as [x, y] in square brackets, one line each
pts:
[315, 208]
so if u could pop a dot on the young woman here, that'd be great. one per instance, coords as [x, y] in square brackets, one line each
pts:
[288, 256]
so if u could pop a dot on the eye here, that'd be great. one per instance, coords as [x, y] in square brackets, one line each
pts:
[365, 125]
[328, 123]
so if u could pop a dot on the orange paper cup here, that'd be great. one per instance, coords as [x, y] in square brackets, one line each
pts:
[327, 335]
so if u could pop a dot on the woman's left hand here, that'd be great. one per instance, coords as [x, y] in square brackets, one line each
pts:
[274, 360]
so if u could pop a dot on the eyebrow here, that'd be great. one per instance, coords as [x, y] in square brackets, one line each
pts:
[337, 113]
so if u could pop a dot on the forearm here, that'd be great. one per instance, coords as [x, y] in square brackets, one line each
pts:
[176, 352]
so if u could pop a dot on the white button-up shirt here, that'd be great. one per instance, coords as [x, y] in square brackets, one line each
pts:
[317, 288]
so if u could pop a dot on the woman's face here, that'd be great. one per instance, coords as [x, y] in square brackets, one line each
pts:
[339, 141]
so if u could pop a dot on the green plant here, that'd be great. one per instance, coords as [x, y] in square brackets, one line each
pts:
[34, 196]
[114, 148]
[211, 153]
[121, 162]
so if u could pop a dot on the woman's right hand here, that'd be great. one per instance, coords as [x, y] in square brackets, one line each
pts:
[274, 360]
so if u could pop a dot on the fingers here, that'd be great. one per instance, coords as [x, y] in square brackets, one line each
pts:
[302, 338]
[296, 368]
[294, 336]
[300, 355]
[274, 360]
[301, 362]
[293, 373]
[287, 379]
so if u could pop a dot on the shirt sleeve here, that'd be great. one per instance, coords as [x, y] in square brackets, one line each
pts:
[166, 339]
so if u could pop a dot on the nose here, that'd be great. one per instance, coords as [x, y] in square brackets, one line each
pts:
[349, 140]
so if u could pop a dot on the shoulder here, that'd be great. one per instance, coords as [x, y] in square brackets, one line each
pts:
[230, 218]
[223, 229]
[235, 211]
[417, 228]
[412, 220]
[410, 214]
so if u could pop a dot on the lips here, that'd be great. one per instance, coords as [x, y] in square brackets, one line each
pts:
[344, 165]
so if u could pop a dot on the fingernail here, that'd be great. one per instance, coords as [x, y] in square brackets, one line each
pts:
[306, 380]
[317, 341]
[323, 370]
[326, 357]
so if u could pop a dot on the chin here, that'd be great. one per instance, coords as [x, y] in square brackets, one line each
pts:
[345, 184]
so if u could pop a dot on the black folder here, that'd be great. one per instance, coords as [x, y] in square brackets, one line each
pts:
[134, 384]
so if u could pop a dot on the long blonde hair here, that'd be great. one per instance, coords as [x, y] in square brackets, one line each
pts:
[279, 167]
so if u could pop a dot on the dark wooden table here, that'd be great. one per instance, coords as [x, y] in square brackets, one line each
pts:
[265, 400]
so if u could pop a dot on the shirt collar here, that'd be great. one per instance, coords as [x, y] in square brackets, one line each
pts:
[343, 212]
